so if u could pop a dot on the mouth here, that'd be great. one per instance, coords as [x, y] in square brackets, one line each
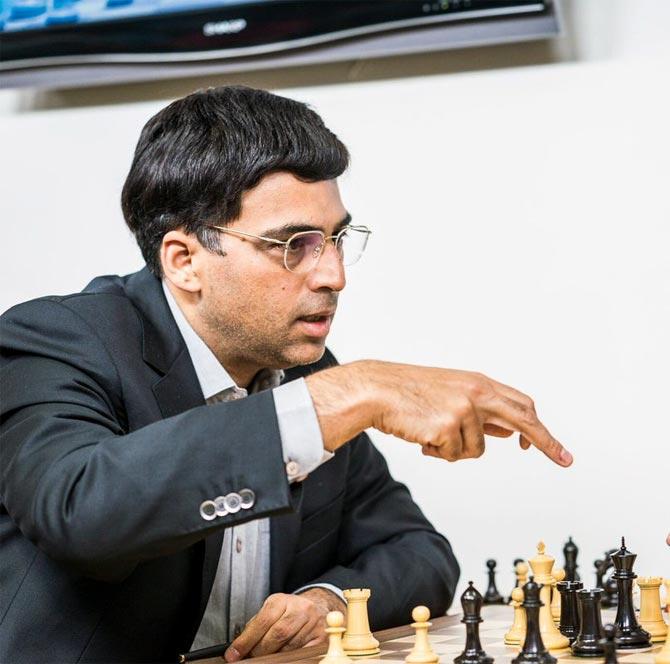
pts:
[317, 324]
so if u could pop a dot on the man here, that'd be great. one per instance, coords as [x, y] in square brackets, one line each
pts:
[148, 505]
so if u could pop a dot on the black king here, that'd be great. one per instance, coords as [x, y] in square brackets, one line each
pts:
[629, 634]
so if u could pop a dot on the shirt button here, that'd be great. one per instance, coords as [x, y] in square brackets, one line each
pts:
[208, 510]
[238, 545]
[292, 468]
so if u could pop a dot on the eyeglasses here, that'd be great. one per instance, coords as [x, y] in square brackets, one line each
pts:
[303, 250]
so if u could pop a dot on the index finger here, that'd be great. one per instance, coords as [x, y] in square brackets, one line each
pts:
[527, 423]
[271, 611]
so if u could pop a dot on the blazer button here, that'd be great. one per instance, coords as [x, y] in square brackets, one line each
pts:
[220, 503]
[233, 502]
[248, 499]
[208, 510]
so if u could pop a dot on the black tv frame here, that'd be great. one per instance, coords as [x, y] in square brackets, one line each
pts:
[260, 35]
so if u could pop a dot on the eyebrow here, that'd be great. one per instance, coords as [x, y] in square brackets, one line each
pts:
[289, 229]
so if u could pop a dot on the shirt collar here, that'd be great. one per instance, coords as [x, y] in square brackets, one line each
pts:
[212, 376]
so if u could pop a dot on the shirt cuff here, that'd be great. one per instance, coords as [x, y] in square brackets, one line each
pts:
[301, 440]
[327, 586]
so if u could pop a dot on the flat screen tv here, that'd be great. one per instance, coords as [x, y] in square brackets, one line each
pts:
[39, 34]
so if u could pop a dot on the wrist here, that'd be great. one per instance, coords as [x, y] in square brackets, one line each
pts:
[344, 399]
[326, 599]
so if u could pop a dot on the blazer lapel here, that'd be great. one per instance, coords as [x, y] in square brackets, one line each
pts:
[176, 391]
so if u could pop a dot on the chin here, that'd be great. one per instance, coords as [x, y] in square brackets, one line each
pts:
[306, 354]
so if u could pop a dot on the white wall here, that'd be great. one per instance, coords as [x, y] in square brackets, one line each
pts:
[519, 200]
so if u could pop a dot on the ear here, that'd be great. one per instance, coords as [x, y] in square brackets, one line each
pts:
[178, 259]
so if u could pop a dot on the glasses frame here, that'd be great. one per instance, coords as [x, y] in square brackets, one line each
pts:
[285, 243]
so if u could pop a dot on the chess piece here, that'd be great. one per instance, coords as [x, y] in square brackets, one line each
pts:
[587, 643]
[651, 617]
[521, 570]
[516, 562]
[358, 639]
[570, 552]
[492, 596]
[666, 583]
[568, 624]
[611, 596]
[471, 601]
[608, 644]
[533, 650]
[541, 565]
[517, 632]
[663, 656]
[335, 629]
[603, 565]
[421, 652]
[629, 634]
[558, 575]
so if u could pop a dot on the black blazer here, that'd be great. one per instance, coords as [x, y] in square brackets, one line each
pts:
[106, 453]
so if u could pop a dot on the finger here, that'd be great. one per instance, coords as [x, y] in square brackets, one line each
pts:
[510, 413]
[498, 432]
[305, 636]
[272, 610]
[280, 633]
[452, 447]
[524, 443]
[473, 438]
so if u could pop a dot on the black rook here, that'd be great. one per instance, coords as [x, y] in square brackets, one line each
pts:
[569, 622]
[591, 632]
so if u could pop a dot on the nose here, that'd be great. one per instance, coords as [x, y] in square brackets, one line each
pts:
[329, 271]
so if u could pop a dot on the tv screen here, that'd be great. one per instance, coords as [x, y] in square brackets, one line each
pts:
[38, 34]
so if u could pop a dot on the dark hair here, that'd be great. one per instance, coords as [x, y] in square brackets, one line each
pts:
[196, 157]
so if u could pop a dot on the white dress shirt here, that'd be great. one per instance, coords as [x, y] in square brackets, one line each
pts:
[242, 578]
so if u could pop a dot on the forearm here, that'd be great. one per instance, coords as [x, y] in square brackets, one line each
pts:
[420, 562]
[102, 501]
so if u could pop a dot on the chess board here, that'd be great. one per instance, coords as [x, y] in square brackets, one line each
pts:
[448, 642]
[447, 638]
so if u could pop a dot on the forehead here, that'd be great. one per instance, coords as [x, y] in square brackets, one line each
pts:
[281, 198]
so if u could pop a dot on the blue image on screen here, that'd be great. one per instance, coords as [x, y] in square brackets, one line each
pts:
[36, 14]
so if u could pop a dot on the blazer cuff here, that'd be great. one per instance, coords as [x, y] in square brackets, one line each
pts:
[327, 586]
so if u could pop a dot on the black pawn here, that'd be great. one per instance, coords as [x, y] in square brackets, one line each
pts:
[516, 580]
[629, 634]
[492, 596]
[587, 643]
[471, 601]
[568, 624]
[570, 552]
[608, 644]
[533, 650]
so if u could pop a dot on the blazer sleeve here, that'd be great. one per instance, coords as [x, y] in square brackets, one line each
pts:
[93, 494]
[386, 544]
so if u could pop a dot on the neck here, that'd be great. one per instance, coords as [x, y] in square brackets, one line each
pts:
[241, 371]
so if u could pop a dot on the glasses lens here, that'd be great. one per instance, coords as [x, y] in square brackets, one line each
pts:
[303, 251]
[351, 245]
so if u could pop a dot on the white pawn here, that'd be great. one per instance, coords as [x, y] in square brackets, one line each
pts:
[517, 633]
[422, 653]
[335, 629]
